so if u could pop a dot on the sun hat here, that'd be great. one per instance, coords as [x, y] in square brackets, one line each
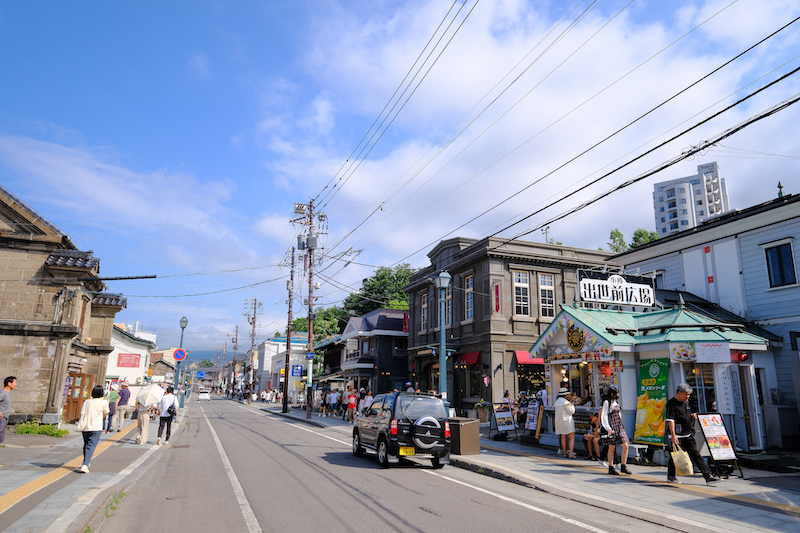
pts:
[114, 386]
[563, 391]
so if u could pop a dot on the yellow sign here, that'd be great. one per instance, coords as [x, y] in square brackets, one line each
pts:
[575, 339]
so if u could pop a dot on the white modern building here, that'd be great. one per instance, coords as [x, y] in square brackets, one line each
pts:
[685, 203]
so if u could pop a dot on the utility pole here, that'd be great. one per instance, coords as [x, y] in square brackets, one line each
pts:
[290, 286]
[235, 338]
[252, 320]
[309, 242]
[312, 245]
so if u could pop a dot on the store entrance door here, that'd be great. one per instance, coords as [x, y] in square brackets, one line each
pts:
[752, 410]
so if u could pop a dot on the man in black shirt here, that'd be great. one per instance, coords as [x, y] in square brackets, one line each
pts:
[680, 427]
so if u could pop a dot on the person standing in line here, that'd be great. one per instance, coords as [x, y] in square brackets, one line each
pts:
[93, 413]
[565, 424]
[9, 384]
[352, 403]
[680, 422]
[543, 395]
[611, 419]
[124, 405]
[167, 410]
[113, 398]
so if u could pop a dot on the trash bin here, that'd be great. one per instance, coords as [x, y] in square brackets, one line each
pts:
[464, 436]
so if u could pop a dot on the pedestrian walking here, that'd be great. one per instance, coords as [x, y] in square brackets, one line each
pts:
[124, 405]
[352, 403]
[680, 421]
[611, 419]
[113, 398]
[143, 413]
[368, 399]
[93, 413]
[409, 388]
[167, 410]
[9, 384]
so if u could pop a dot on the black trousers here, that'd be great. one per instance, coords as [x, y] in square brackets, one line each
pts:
[689, 446]
[162, 421]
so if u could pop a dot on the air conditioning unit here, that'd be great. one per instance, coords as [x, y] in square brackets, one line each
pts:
[139, 380]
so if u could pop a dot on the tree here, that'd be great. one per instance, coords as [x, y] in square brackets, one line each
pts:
[383, 289]
[328, 322]
[205, 363]
[642, 236]
[616, 242]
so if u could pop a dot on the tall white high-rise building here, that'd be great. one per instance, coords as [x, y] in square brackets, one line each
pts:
[684, 203]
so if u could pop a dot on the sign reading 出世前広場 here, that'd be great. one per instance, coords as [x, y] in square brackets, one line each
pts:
[616, 290]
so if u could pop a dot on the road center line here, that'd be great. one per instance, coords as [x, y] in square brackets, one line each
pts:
[521, 504]
[247, 511]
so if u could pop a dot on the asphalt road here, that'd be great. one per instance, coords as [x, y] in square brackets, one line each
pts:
[236, 468]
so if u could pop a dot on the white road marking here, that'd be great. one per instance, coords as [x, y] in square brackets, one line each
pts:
[71, 514]
[521, 504]
[247, 511]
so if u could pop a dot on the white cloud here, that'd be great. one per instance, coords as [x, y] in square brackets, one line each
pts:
[199, 65]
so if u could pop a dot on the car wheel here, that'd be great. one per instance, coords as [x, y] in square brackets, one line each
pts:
[437, 462]
[358, 450]
[383, 453]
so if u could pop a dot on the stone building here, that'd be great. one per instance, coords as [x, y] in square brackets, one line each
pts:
[503, 295]
[55, 318]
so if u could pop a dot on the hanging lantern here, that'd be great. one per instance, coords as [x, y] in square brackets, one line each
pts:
[605, 369]
[574, 373]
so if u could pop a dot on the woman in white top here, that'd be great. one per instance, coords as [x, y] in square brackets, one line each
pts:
[93, 412]
[167, 409]
[565, 424]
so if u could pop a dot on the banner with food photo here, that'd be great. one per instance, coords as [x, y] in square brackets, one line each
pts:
[651, 401]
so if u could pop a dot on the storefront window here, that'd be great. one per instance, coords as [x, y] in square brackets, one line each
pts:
[700, 376]
[474, 381]
[530, 378]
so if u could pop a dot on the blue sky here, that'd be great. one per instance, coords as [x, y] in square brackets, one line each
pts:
[173, 138]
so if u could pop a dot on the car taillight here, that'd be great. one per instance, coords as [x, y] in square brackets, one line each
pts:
[393, 427]
[446, 428]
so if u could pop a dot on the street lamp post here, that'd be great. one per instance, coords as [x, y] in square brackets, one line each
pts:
[442, 281]
[184, 323]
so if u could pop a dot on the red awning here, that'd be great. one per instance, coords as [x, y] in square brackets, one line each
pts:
[524, 358]
[471, 358]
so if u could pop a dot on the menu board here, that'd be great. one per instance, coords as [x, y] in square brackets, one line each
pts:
[504, 417]
[719, 444]
[533, 420]
[582, 422]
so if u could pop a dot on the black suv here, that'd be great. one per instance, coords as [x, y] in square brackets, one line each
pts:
[404, 424]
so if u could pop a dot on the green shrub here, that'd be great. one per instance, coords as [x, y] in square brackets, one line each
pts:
[33, 427]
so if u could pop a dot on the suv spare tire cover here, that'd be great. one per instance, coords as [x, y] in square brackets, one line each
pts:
[427, 432]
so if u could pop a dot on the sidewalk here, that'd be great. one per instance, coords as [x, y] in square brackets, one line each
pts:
[32, 465]
[762, 501]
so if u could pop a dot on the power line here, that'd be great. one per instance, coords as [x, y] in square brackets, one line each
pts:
[688, 153]
[561, 166]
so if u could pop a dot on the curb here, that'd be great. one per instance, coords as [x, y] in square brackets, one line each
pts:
[97, 514]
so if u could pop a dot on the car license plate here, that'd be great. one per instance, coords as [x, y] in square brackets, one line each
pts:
[406, 450]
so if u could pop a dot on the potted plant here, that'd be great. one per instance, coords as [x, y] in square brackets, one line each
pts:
[483, 408]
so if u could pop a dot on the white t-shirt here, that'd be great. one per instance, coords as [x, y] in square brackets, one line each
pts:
[166, 401]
